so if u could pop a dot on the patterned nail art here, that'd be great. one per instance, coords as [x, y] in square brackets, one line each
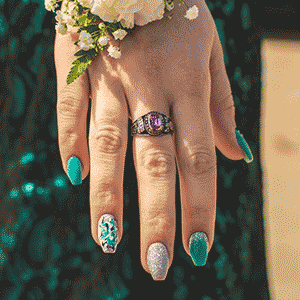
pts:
[108, 233]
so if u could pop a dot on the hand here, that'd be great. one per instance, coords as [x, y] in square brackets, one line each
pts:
[181, 75]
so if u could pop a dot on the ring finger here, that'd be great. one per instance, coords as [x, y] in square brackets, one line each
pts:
[154, 160]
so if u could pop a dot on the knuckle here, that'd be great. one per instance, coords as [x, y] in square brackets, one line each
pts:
[68, 106]
[105, 198]
[159, 223]
[159, 163]
[201, 161]
[200, 210]
[69, 136]
[108, 139]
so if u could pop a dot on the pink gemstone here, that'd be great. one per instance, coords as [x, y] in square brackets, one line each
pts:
[155, 121]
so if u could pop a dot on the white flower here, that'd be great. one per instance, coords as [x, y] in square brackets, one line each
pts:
[105, 10]
[69, 20]
[119, 34]
[84, 35]
[60, 18]
[103, 41]
[151, 11]
[49, 5]
[85, 46]
[70, 15]
[192, 13]
[129, 12]
[85, 40]
[72, 10]
[87, 3]
[61, 28]
[169, 6]
[113, 52]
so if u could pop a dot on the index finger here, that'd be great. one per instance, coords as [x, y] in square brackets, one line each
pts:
[72, 101]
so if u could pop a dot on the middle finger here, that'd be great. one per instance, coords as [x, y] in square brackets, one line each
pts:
[154, 158]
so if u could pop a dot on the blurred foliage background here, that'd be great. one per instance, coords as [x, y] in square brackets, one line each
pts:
[46, 248]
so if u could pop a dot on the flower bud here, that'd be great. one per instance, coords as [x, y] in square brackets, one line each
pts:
[169, 6]
[61, 28]
[101, 25]
[113, 52]
[103, 41]
[119, 34]
[192, 13]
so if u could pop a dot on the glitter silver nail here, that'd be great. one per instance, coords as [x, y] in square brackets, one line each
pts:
[158, 261]
[108, 233]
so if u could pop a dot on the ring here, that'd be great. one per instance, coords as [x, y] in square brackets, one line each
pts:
[152, 123]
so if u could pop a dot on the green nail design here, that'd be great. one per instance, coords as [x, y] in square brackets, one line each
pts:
[242, 142]
[74, 170]
[198, 246]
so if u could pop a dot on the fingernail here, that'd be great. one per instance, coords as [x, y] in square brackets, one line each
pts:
[198, 246]
[158, 261]
[108, 233]
[74, 169]
[243, 144]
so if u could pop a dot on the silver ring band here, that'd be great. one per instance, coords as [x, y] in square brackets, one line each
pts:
[152, 123]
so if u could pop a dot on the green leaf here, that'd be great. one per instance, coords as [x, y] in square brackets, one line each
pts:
[81, 8]
[112, 28]
[93, 18]
[92, 28]
[58, 7]
[81, 20]
[80, 65]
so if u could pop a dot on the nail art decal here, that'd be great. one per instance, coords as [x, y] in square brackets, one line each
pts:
[108, 233]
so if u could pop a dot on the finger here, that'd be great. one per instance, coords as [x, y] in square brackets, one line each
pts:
[72, 104]
[154, 159]
[196, 161]
[222, 105]
[107, 144]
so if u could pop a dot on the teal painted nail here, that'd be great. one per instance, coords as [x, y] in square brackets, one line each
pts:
[242, 142]
[74, 170]
[198, 246]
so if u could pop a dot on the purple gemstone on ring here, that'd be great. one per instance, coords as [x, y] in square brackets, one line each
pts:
[155, 121]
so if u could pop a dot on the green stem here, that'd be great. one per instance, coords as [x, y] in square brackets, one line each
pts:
[95, 33]
[119, 39]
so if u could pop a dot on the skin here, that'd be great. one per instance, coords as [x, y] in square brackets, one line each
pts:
[175, 67]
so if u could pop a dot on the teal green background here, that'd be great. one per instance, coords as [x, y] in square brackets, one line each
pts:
[46, 248]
